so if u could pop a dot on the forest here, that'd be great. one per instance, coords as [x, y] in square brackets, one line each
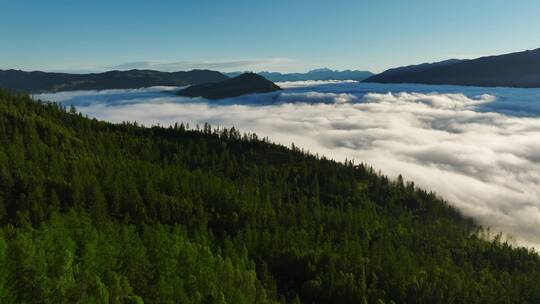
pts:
[95, 212]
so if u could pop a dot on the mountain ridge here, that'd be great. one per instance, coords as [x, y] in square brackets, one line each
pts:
[518, 69]
[39, 81]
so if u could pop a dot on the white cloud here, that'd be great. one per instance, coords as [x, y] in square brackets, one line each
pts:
[123, 93]
[230, 65]
[317, 97]
[485, 163]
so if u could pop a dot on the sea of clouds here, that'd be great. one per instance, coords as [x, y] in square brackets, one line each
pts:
[479, 148]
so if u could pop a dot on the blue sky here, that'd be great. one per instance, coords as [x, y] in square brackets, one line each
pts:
[258, 35]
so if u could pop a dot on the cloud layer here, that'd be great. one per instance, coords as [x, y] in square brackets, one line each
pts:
[483, 162]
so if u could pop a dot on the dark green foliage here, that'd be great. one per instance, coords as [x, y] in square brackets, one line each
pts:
[93, 212]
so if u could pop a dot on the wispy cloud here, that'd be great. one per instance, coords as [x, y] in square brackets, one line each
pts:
[484, 163]
[257, 64]
[231, 65]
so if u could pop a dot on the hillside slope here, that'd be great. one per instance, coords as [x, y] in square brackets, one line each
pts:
[50, 82]
[94, 212]
[521, 69]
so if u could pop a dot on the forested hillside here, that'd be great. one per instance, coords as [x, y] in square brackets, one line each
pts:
[93, 212]
[520, 69]
[38, 81]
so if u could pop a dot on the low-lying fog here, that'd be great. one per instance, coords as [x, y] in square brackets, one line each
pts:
[479, 148]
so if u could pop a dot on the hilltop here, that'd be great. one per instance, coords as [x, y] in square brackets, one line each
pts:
[247, 83]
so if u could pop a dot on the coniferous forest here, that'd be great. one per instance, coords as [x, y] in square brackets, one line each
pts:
[94, 212]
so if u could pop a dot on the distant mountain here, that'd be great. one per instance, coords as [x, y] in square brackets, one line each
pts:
[521, 69]
[247, 83]
[318, 74]
[44, 81]
[395, 73]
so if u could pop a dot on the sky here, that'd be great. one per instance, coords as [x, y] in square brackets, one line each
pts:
[286, 36]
